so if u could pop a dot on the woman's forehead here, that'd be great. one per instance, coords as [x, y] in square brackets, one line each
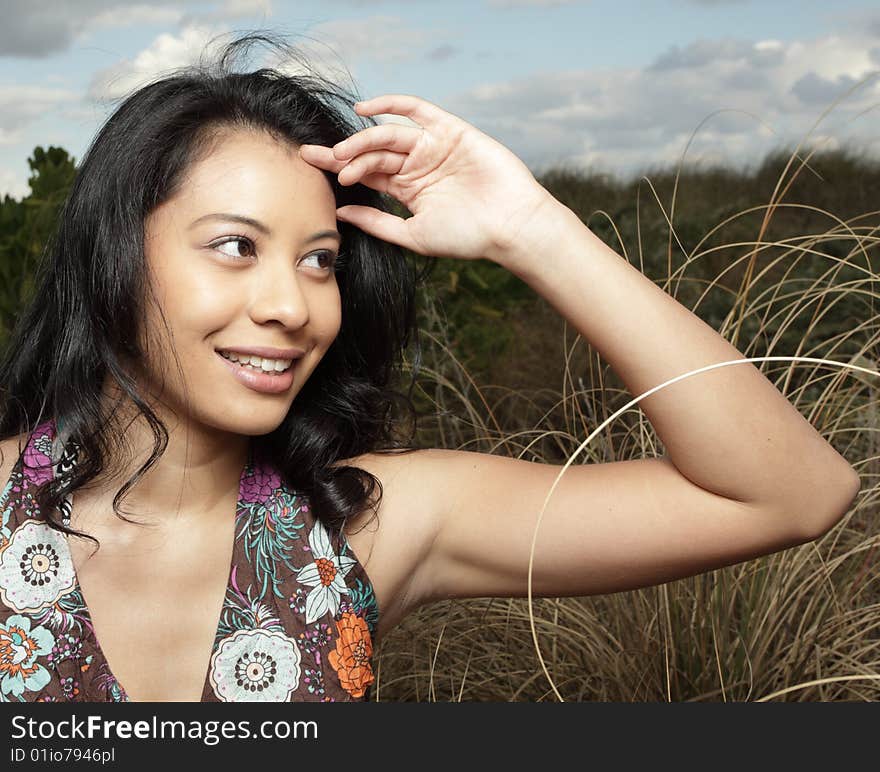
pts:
[252, 158]
[252, 170]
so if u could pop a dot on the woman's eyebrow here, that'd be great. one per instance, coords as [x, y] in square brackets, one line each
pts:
[264, 229]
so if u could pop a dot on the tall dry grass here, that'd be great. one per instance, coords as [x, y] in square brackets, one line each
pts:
[781, 275]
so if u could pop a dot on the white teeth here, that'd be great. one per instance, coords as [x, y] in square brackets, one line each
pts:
[258, 363]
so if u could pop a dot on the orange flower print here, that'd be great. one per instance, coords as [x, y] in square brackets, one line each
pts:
[351, 659]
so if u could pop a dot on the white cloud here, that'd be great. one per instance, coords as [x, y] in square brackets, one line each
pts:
[627, 119]
[167, 52]
[37, 30]
[130, 15]
[768, 45]
[335, 49]
[332, 49]
[22, 105]
[233, 8]
[376, 38]
[40, 29]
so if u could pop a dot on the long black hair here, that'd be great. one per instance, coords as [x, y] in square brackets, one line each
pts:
[82, 322]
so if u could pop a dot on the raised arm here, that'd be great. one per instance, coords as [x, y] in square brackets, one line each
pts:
[745, 474]
[727, 430]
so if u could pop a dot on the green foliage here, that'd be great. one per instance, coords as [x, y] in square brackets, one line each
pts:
[477, 299]
[704, 219]
[26, 227]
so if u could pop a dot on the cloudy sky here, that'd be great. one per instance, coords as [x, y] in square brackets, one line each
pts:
[614, 85]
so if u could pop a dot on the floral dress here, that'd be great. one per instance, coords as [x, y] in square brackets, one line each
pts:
[296, 622]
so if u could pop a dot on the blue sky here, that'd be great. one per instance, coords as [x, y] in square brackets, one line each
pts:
[613, 86]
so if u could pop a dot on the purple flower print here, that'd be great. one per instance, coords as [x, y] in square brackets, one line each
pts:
[66, 647]
[315, 637]
[259, 484]
[37, 461]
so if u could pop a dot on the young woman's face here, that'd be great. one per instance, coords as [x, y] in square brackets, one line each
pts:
[225, 284]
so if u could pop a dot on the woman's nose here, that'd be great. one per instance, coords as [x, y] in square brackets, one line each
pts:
[279, 296]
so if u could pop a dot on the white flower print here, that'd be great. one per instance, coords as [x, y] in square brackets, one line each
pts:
[255, 666]
[326, 575]
[35, 568]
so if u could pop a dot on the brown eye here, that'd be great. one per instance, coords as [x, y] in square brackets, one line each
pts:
[326, 257]
[235, 240]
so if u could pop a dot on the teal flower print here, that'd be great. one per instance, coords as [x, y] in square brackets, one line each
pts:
[269, 516]
[243, 611]
[363, 602]
[19, 649]
[107, 681]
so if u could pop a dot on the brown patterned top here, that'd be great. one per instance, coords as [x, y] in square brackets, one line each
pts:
[296, 623]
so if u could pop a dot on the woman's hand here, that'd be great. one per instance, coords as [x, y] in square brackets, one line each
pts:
[469, 195]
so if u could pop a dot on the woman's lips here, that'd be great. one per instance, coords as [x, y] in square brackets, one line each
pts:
[259, 381]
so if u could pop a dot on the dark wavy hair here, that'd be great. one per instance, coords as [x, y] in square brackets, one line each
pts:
[82, 322]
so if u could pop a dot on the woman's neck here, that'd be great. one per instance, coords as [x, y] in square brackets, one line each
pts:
[196, 475]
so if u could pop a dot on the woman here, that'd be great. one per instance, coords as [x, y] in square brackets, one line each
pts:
[218, 324]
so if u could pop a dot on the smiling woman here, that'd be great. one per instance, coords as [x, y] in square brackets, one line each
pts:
[187, 339]
[222, 317]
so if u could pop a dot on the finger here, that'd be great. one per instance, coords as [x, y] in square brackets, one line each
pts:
[382, 161]
[322, 157]
[420, 110]
[386, 226]
[388, 136]
[380, 182]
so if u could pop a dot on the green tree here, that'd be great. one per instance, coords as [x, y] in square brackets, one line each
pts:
[26, 227]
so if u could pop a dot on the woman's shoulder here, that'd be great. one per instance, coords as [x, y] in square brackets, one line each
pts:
[398, 474]
[410, 482]
[401, 465]
[393, 545]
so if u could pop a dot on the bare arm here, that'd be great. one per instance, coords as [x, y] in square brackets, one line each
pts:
[727, 430]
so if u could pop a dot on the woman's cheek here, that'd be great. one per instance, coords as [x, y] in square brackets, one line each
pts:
[203, 293]
[331, 318]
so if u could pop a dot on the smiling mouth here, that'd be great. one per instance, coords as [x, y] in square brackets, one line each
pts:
[258, 364]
